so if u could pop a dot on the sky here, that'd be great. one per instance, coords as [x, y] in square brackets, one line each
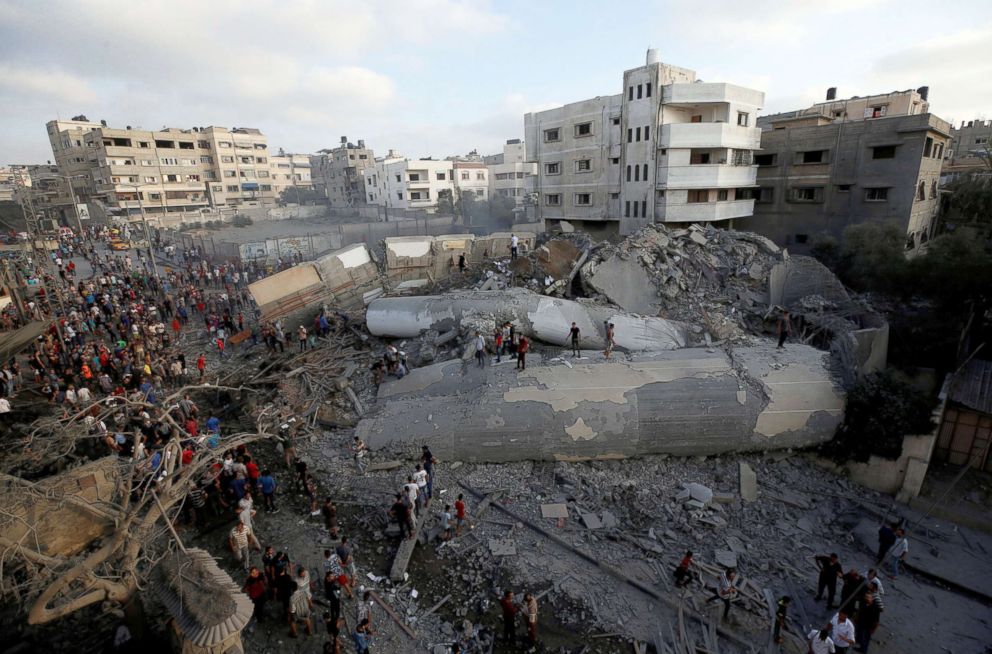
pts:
[443, 77]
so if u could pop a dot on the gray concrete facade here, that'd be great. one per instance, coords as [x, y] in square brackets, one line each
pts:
[686, 402]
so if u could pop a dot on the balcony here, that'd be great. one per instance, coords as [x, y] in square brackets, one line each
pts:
[707, 176]
[702, 212]
[700, 93]
[709, 135]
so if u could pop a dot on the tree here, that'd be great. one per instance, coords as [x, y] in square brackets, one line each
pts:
[445, 202]
[969, 203]
[873, 258]
[298, 195]
[501, 211]
[880, 411]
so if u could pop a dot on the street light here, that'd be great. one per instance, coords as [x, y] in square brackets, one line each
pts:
[144, 222]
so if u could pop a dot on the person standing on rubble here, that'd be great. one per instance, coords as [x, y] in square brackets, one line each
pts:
[726, 591]
[514, 243]
[530, 606]
[428, 461]
[523, 347]
[301, 334]
[784, 328]
[898, 551]
[830, 571]
[610, 342]
[510, 610]
[573, 335]
[461, 263]
[781, 618]
[358, 449]
[480, 349]
[886, 539]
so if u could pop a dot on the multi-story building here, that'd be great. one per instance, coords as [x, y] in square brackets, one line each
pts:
[970, 150]
[510, 174]
[395, 182]
[472, 177]
[850, 161]
[171, 169]
[667, 149]
[11, 178]
[290, 175]
[338, 174]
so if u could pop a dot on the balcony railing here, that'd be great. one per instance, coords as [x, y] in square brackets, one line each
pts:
[709, 135]
[707, 176]
[688, 212]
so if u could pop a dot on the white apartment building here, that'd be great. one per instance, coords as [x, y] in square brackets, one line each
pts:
[395, 182]
[510, 174]
[667, 149]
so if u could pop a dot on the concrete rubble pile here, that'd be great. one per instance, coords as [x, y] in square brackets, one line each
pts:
[714, 279]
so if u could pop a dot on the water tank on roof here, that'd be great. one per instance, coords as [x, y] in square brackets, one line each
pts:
[832, 93]
[652, 57]
[924, 92]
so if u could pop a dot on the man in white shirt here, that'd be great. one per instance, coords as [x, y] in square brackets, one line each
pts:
[514, 242]
[420, 478]
[410, 488]
[842, 632]
[480, 349]
[726, 591]
[898, 551]
[820, 641]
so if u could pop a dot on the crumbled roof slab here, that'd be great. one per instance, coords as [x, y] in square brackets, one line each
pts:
[689, 401]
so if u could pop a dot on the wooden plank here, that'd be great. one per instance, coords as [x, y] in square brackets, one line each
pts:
[392, 614]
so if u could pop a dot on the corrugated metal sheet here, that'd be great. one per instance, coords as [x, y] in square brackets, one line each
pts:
[972, 387]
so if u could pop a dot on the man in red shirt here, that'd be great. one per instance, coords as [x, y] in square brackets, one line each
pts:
[460, 515]
[201, 364]
[522, 348]
[510, 610]
[253, 473]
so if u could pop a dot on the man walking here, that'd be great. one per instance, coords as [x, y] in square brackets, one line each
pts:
[842, 632]
[480, 349]
[784, 328]
[573, 334]
[726, 591]
[898, 551]
[866, 621]
[610, 342]
[830, 571]
[530, 605]
[428, 461]
[781, 618]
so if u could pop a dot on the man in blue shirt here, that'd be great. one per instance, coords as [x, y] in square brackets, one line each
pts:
[268, 484]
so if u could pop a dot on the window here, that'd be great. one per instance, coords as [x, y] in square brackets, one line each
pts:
[630, 135]
[192, 178]
[765, 159]
[552, 135]
[647, 132]
[217, 189]
[616, 121]
[154, 196]
[698, 118]
[630, 93]
[697, 158]
[414, 177]
[766, 194]
[171, 178]
[147, 162]
[811, 157]
[637, 173]
[440, 177]
[644, 174]
[644, 208]
[981, 140]
[807, 194]
[552, 168]
[169, 161]
[583, 199]
[363, 156]
[659, 195]
[263, 173]
[742, 118]
[928, 147]
[722, 195]
[186, 145]
[150, 180]
[615, 161]
[940, 152]
[142, 144]
[227, 159]
[481, 177]
[636, 207]
[614, 196]
[261, 160]
[933, 189]
[698, 195]
[465, 174]
[206, 159]
[266, 187]
[229, 173]
[232, 188]
[883, 152]
[415, 195]
[399, 178]
[583, 129]
[583, 165]
[480, 192]
[647, 88]
[225, 144]
[628, 173]
[203, 145]
[876, 194]
[664, 152]
[843, 188]
[876, 112]
[399, 195]
[169, 145]
[637, 134]
[552, 199]
[921, 192]
[801, 238]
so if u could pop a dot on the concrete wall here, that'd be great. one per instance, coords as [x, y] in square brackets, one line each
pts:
[690, 401]
[430, 258]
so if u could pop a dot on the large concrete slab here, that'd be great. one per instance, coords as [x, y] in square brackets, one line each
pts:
[690, 401]
[627, 285]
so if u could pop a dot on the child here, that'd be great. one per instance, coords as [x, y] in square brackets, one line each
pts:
[446, 522]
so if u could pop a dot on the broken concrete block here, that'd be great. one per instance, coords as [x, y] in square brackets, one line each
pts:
[554, 511]
[698, 237]
[502, 547]
[723, 498]
[592, 521]
[726, 558]
[694, 504]
[609, 520]
[748, 482]
[700, 493]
